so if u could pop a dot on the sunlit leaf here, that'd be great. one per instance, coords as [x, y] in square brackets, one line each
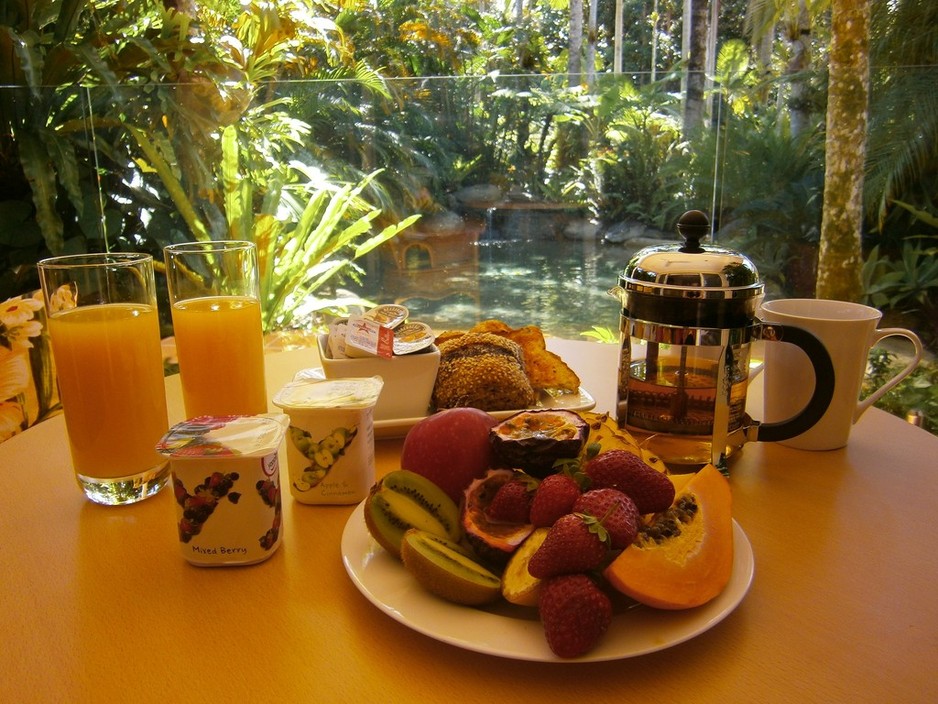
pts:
[231, 186]
[175, 189]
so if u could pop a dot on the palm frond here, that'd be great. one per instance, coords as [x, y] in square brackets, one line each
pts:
[903, 135]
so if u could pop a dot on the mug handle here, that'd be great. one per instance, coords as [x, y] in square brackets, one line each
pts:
[900, 375]
[823, 382]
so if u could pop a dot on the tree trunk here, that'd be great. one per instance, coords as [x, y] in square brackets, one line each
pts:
[840, 257]
[696, 66]
[592, 35]
[654, 41]
[617, 41]
[800, 60]
[575, 45]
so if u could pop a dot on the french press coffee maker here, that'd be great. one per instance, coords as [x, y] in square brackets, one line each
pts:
[689, 317]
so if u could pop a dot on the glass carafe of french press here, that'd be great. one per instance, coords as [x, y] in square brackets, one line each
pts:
[689, 317]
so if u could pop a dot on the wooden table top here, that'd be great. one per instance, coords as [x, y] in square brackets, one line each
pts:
[96, 603]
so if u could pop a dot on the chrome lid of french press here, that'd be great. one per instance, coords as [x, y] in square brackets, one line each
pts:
[689, 284]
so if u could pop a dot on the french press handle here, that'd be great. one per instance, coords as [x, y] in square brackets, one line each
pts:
[823, 382]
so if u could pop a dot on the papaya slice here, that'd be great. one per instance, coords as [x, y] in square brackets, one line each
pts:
[682, 557]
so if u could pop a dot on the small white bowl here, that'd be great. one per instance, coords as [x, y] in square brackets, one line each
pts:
[408, 379]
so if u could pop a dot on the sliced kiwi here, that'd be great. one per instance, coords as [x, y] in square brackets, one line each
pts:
[404, 500]
[443, 568]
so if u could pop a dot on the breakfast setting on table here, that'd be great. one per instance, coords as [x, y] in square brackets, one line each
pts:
[505, 494]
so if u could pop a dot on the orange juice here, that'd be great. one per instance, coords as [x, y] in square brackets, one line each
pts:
[109, 367]
[221, 355]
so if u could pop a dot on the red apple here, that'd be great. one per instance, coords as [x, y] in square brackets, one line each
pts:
[450, 448]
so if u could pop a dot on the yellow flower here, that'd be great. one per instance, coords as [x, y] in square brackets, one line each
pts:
[17, 311]
[17, 324]
[18, 337]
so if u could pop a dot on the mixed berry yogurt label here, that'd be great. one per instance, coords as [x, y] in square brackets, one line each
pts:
[226, 487]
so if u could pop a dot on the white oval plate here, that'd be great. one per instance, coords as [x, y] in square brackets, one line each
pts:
[514, 632]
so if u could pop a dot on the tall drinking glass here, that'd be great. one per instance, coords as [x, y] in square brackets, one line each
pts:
[105, 334]
[215, 297]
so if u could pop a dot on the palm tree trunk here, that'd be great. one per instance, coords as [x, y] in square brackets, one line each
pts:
[695, 70]
[592, 34]
[840, 257]
[654, 41]
[797, 65]
[575, 44]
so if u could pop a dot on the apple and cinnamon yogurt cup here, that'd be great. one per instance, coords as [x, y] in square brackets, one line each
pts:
[330, 441]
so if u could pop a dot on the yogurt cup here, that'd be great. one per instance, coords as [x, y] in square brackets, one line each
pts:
[331, 443]
[226, 484]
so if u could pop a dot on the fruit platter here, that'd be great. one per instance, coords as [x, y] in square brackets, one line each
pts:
[549, 535]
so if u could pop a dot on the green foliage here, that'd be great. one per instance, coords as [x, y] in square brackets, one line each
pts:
[134, 125]
[535, 124]
[33, 53]
[767, 188]
[903, 127]
[301, 254]
[602, 334]
[186, 140]
[429, 38]
[917, 392]
[906, 280]
[627, 173]
[907, 284]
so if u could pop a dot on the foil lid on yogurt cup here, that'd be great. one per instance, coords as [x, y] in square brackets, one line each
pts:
[224, 436]
[305, 392]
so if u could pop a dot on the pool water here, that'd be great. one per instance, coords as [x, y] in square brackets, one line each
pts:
[559, 284]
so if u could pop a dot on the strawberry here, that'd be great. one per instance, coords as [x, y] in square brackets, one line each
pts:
[575, 614]
[554, 498]
[575, 543]
[615, 510]
[651, 490]
[511, 503]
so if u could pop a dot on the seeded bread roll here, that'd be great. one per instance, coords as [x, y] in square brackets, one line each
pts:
[484, 371]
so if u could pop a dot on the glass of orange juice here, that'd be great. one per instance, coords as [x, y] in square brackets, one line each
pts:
[215, 296]
[105, 333]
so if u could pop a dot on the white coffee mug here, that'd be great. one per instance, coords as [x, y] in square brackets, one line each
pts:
[849, 332]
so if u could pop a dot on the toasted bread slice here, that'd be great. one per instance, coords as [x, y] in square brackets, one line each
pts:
[544, 369]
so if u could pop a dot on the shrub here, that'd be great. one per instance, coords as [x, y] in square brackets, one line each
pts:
[917, 392]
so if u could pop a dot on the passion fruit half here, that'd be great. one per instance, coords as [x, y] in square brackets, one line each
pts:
[534, 440]
[493, 542]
